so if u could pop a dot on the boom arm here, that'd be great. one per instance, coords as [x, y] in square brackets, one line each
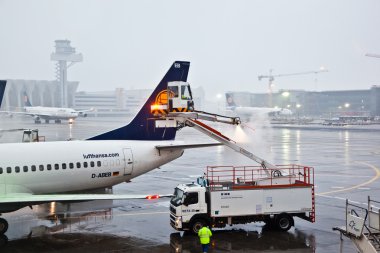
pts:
[190, 119]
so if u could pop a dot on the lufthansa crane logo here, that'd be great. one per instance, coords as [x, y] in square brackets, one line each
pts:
[177, 65]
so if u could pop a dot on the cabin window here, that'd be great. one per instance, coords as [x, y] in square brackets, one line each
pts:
[85, 164]
[191, 198]
[64, 166]
[78, 165]
[173, 91]
[17, 169]
[25, 168]
[48, 167]
[9, 170]
[1, 170]
[41, 168]
[56, 166]
[92, 164]
[99, 163]
[33, 167]
[71, 165]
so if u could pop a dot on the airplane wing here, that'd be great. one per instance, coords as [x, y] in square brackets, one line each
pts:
[187, 146]
[88, 110]
[83, 112]
[32, 199]
[26, 113]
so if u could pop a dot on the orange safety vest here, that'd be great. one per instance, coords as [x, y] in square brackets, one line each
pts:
[204, 235]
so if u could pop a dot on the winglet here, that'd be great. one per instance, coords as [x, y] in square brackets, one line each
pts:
[26, 100]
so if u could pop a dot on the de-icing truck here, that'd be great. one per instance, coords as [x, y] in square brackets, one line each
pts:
[239, 195]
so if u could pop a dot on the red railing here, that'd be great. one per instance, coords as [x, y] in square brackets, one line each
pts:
[242, 177]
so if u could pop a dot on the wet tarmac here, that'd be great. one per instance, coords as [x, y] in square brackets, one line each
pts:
[346, 166]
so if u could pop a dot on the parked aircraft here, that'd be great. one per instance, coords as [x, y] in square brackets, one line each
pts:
[50, 113]
[40, 172]
[247, 112]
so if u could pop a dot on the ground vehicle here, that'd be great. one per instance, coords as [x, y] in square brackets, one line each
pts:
[237, 195]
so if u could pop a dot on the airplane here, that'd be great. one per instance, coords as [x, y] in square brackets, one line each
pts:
[49, 113]
[247, 112]
[42, 172]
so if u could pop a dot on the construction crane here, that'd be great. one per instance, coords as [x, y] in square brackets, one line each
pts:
[271, 79]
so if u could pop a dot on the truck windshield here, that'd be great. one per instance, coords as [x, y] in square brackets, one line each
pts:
[177, 197]
[186, 92]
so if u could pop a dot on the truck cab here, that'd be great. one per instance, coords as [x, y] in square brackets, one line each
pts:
[188, 207]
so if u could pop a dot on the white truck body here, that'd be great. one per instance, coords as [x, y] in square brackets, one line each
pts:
[260, 201]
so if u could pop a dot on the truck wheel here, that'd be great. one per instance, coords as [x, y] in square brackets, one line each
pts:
[196, 225]
[3, 226]
[284, 222]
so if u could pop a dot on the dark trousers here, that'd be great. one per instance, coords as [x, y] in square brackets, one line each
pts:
[205, 247]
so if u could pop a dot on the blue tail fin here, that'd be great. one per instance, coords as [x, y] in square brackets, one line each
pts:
[3, 83]
[142, 127]
[26, 100]
[230, 102]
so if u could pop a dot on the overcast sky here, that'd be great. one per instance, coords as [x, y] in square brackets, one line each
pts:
[131, 44]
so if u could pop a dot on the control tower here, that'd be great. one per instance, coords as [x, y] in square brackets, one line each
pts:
[66, 57]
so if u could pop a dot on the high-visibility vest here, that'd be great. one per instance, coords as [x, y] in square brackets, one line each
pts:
[204, 235]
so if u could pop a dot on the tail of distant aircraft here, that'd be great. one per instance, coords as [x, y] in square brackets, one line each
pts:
[230, 102]
[3, 83]
[26, 100]
[142, 127]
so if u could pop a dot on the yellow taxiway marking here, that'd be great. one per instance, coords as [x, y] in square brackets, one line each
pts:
[374, 178]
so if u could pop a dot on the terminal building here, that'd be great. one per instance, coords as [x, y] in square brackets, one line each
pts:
[39, 92]
[315, 104]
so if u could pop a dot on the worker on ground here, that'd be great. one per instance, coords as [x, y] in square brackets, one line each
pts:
[204, 237]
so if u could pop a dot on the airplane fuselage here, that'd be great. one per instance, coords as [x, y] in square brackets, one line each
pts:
[52, 112]
[57, 167]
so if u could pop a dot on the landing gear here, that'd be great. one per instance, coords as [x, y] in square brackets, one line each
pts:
[57, 121]
[37, 121]
[3, 226]
[47, 121]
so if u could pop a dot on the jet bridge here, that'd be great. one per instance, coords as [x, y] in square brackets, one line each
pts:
[362, 226]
